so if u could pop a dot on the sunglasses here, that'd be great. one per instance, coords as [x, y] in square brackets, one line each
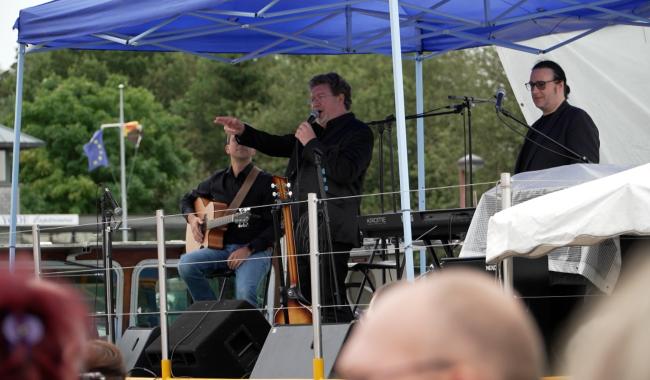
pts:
[541, 84]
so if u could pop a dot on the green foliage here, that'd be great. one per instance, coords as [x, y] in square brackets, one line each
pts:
[68, 94]
[474, 73]
[65, 113]
[217, 89]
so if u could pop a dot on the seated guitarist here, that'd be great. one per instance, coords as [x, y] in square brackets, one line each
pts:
[246, 250]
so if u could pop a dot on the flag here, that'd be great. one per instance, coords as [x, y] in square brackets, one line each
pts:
[95, 151]
[133, 132]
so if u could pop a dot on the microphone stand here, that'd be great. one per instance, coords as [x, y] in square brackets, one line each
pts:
[107, 246]
[507, 113]
[382, 126]
[328, 233]
[386, 124]
[576, 156]
[468, 102]
[469, 190]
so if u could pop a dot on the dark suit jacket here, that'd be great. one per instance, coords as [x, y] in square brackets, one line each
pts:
[572, 128]
[345, 148]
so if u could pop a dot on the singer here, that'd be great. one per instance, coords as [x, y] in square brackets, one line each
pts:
[344, 145]
[565, 124]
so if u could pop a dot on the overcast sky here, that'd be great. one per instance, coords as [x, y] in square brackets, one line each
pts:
[8, 14]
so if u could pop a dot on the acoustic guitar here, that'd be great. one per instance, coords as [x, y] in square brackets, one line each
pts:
[215, 223]
[294, 309]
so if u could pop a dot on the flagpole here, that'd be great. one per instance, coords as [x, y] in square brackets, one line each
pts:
[125, 220]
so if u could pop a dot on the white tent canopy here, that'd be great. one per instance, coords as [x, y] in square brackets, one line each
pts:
[608, 75]
[580, 215]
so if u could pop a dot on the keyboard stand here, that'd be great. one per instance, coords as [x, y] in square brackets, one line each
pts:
[365, 268]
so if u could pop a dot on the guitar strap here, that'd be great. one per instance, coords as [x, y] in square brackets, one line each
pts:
[244, 189]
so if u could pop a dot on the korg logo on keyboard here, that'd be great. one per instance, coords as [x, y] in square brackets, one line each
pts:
[376, 220]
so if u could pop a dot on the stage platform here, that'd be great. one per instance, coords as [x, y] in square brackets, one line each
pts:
[196, 378]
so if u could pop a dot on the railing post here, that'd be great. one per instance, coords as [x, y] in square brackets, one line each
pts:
[165, 364]
[36, 244]
[506, 201]
[318, 363]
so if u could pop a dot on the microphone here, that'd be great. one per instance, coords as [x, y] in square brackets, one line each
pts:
[501, 93]
[313, 116]
[117, 210]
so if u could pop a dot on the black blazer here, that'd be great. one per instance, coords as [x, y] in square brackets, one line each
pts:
[345, 148]
[572, 128]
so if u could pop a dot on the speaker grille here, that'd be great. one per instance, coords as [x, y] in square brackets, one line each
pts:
[213, 339]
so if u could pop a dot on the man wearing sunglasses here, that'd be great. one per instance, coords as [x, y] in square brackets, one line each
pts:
[564, 134]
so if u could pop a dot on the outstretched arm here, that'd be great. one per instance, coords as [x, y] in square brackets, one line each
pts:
[273, 145]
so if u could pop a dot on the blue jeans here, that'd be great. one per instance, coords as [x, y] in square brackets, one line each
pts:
[195, 267]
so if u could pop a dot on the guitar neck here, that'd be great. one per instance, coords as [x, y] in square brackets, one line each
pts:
[220, 221]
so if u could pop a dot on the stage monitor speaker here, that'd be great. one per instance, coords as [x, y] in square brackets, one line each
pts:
[132, 346]
[213, 339]
[289, 351]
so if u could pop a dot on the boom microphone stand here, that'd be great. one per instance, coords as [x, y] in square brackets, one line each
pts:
[386, 124]
[381, 126]
[576, 156]
[109, 210]
[328, 233]
[468, 103]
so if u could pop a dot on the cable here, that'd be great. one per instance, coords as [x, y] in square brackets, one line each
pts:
[577, 157]
[539, 145]
[205, 315]
[147, 370]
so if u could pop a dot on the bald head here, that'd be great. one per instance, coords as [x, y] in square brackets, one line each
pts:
[613, 338]
[455, 324]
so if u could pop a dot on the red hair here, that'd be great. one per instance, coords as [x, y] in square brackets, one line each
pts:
[43, 329]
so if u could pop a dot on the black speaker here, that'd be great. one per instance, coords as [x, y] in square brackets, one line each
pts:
[132, 346]
[289, 351]
[213, 339]
[473, 262]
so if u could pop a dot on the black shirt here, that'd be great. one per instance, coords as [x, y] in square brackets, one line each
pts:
[345, 147]
[571, 127]
[222, 187]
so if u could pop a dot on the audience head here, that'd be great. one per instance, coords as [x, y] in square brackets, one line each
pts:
[456, 324]
[43, 329]
[105, 358]
[612, 339]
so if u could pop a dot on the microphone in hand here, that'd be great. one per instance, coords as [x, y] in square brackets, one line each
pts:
[313, 116]
[500, 94]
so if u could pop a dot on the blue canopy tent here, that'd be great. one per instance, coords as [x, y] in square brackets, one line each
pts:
[260, 27]
[255, 28]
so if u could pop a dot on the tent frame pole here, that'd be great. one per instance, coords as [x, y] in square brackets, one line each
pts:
[419, 109]
[400, 120]
[16, 156]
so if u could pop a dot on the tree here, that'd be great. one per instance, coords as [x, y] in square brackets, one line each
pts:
[270, 93]
[218, 89]
[475, 72]
[65, 113]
